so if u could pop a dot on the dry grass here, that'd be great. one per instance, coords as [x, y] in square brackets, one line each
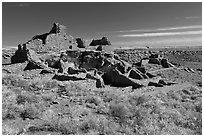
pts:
[98, 112]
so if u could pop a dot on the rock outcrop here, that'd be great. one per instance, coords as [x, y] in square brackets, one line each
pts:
[103, 41]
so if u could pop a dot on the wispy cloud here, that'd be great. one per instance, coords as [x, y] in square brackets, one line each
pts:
[23, 5]
[162, 34]
[193, 17]
[162, 29]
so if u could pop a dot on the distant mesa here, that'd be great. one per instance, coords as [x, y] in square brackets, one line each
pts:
[102, 41]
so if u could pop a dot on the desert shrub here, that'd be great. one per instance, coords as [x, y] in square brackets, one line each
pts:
[198, 107]
[27, 97]
[192, 121]
[15, 81]
[8, 104]
[35, 86]
[72, 89]
[93, 99]
[174, 95]
[50, 84]
[9, 130]
[137, 100]
[10, 112]
[48, 97]
[119, 111]
[88, 125]
[68, 126]
[30, 111]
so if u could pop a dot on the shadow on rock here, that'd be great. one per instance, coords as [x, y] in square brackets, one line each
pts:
[67, 78]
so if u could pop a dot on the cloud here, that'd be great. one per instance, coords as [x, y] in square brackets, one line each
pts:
[163, 42]
[162, 29]
[23, 5]
[161, 34]
[193, 17]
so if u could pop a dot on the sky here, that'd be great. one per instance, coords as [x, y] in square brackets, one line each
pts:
[125, 24]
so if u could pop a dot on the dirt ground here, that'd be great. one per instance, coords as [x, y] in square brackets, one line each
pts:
[36, 104]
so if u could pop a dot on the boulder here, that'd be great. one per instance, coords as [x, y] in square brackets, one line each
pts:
[35, 65]
[155, 84]
[99, 48]
[144, 76]
[98, 78]
[80, 43]
[71, 70]
[150, 75]
[66, 67]
[144, 62]
[154, 55]
[166, 64]
[154, 61]
[65, 77]
[47, 71]
[53, 60]
[162, 82]
[117, 79]
[142, 69]
[135, 75]
[138, 64]
[34, 61]
[103, 41]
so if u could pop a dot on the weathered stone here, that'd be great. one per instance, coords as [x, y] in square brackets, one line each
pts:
[52, 60]
[142, 69]
[166, 64]
[80, 43]
[135, 75]
[155, 84]
[99, 48]
[154, 61]
[55, 40]
[162, 82]
[35, 65]
[144, 76]
[98, 78]
[20, 55]
[103, 41]
[150, 75]
[34, 61]
[64, 66]
[154, 55]
[63, 77]
[115, 78]
[47, 71]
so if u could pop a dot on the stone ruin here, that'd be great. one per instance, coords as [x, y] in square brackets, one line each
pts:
[102, 41]
[108, 69]
[80, 43]
[55, 40]
[75, 64]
